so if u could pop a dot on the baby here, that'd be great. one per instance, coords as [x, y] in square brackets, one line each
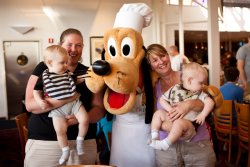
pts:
[56, 82]
[194, 77]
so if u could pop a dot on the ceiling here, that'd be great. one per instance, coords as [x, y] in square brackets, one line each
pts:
[65, 7]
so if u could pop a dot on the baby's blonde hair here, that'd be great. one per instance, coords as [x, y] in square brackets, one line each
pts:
[194, 70]
[52, 52]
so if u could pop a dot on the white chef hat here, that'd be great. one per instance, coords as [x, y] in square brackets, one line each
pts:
[134, 15]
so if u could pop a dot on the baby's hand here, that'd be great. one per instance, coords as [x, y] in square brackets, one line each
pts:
[44, 104]
[200, 119]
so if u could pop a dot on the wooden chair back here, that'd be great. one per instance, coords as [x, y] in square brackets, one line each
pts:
[223, 125]
[242, 111]
[22, 126]
[223, 117]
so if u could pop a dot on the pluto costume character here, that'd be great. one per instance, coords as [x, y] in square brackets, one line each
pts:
[129, 95]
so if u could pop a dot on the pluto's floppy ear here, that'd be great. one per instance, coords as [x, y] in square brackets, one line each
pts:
[148, 90]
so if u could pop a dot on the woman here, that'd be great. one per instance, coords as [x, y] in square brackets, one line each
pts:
[197, 152]
[42, 148]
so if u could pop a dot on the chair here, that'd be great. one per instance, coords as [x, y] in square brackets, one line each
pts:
[223, 125]
[242, 111]
[22, 126]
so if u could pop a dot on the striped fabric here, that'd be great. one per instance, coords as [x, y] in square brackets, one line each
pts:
[58, 86]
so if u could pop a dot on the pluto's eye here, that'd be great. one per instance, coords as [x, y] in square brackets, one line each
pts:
[112, 47]
[127, 47]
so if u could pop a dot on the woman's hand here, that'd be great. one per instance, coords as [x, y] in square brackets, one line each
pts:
[179, 111]
[71, 120]
[44, 105]
[182, 108]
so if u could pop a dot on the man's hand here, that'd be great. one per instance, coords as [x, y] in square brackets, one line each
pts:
[244, 85]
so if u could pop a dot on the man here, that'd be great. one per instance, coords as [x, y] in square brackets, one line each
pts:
[243, 65]
[176, 58]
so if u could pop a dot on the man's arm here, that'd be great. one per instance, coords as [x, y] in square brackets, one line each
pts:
[185, 59]
[243, 78]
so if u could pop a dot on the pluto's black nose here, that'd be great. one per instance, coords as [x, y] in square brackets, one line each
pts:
[101, 67]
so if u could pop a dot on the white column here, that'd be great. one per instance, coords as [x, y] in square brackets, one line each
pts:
[163, 25]
[213, 43]
[181, 33]
[157, 21]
